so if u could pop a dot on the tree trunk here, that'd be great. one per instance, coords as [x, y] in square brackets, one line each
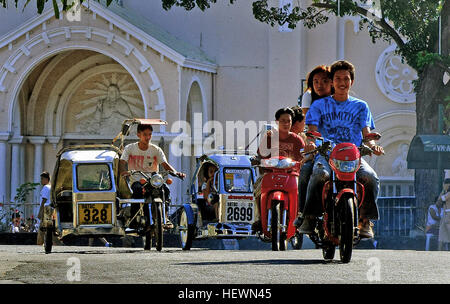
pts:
[430, 93]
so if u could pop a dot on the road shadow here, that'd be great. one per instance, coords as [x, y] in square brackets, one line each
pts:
[263, 262]
[93, 252]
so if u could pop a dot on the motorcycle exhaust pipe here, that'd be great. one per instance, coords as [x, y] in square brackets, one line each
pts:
[163, 207]
[150, 214]
[284, 226]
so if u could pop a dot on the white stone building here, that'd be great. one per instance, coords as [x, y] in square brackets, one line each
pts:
[74, 79]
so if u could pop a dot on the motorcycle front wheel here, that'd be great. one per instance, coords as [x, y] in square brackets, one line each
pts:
[347, 229]
[279, 238]
[158, 229]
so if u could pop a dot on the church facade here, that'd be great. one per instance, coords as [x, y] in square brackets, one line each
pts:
[74, 79]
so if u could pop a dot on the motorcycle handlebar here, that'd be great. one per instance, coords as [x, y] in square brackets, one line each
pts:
[144, 174]
[364, 149]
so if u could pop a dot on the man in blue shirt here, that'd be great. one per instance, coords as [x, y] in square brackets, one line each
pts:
[341, 118]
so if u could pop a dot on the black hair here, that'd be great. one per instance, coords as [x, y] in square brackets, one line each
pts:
[298, 114]
[206, 169]
[284, 111]
[46, 175]
[343, 65]
[142, 127]
[309, 80]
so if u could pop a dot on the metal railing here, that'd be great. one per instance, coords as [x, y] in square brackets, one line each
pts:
[396, 216]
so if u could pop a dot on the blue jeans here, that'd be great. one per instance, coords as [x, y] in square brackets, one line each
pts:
[321, 173]
[305, 174]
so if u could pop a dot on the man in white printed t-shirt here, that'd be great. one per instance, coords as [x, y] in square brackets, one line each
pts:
[44, 199]
[143, 156]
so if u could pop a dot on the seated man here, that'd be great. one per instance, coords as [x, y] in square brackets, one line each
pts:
[341, 118]
[207, 187]
[143, 156]
[281, 142]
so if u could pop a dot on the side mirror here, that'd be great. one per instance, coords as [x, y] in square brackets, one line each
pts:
[125, 129]
[313, 134]
[255, 160]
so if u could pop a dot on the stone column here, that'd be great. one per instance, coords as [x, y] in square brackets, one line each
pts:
[54, 140]
[340, 39]
[16, 165]
[38, 142]
[176, 187]
[3, 165]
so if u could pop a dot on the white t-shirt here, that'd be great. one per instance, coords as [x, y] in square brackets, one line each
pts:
[45, 193]
[146, 161]
[306, 100]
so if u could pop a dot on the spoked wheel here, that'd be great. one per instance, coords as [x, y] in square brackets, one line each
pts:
[346, 241]
[158, 229]
[279, 239]
[48, 240]
[297, 241]
[186, 232]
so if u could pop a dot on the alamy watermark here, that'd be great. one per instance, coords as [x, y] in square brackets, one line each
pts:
[199, 137]
[74, 272]
[374, 272]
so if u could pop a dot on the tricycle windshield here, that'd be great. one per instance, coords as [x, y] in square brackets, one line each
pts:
[93, 177]
[238, 180]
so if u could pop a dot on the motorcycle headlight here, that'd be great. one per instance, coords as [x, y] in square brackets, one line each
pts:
[279, 163]
[157, 180]
[346, 166]
[271, 163]
[285, 163]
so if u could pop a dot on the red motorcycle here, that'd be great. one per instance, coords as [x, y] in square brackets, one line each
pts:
[342, 197]
[279, 200]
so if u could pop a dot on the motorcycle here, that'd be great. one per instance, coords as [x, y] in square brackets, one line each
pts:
[279, 201]
[342, 197]
[150, 218]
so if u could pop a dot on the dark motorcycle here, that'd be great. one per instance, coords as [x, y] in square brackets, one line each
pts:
[150, 219]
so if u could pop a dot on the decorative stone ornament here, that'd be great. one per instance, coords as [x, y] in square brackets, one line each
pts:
[394, 77]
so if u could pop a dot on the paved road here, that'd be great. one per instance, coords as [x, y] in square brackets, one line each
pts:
[28, 264]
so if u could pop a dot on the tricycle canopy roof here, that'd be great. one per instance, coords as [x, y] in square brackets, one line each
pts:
[145, 121]
[227, 160]
[89, 153]
[424, 150]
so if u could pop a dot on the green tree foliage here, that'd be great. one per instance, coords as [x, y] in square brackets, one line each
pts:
[23, 191]
[40, 4]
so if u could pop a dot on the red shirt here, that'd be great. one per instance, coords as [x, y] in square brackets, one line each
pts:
[288, 147]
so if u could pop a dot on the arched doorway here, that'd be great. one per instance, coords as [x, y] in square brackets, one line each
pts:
[73, 97]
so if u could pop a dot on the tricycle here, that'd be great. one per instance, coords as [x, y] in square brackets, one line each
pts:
[227, 209]
[91, 199]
